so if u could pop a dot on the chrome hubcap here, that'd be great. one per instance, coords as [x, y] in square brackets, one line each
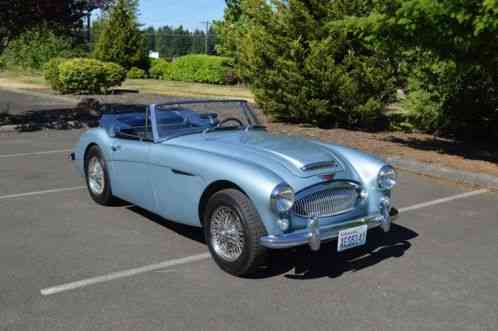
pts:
[227, 234]
[96, 176]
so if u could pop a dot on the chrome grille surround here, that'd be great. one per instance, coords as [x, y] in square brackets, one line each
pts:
[328, 200]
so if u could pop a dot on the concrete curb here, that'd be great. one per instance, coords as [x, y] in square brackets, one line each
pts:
[440, 171]
[8, 128]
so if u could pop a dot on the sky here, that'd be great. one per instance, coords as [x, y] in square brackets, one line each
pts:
[189, 13]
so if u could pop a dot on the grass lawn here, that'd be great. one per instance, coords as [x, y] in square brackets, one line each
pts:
[22, 80]
[35, 81]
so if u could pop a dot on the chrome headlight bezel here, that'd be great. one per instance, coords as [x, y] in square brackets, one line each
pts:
[282, 198]
[386, 179]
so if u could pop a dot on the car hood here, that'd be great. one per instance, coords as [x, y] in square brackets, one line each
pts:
[302, 157]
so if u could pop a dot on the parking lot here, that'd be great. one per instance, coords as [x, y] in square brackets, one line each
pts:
[69, 264]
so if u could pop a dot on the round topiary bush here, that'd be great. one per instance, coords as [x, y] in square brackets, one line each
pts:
[136, 73]
[51, 72]
[86, 76]
[115, 74]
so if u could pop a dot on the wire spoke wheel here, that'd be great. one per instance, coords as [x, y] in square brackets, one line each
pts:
[96, 177]
[227, 233]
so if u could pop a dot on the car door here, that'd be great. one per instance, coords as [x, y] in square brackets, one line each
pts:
[130, 155]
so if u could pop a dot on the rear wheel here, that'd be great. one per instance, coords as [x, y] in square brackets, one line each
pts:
[232, 229]
[97, 177]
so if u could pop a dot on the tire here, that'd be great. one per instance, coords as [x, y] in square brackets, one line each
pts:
[252, 254]
[102, 195]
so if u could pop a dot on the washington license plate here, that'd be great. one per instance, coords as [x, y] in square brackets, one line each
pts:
[352, 237]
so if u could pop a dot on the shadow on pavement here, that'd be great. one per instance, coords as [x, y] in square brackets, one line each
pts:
[302, 263]
[190, 232]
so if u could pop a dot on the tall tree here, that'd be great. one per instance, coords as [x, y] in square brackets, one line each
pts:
[300, 71]
[449, 49]
[121, 40]
[19, 16]
[150, 35]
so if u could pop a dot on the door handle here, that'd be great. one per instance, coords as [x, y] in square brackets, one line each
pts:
[115, 148]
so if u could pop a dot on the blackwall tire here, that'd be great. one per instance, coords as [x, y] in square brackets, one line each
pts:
[100, 194]
[237, 205]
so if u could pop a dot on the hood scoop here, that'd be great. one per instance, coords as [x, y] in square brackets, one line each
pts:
[319, 165]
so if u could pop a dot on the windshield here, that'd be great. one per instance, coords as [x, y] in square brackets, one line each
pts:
[177, 119]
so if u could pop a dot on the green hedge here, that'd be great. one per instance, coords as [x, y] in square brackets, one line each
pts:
[200, 68]
[83, 76]
[136, 73]
[51, 71]
[161, 69]
[195, 68]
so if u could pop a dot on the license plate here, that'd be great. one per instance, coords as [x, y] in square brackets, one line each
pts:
[352, 237]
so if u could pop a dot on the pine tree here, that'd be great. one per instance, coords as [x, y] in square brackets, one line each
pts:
[301, 70]
[121, 40]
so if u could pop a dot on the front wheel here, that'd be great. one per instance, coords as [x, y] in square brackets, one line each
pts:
[232, 229]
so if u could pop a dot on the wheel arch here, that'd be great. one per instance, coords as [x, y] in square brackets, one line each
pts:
[212, 189]
[85, 153]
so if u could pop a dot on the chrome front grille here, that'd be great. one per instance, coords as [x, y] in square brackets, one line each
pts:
[328, 202]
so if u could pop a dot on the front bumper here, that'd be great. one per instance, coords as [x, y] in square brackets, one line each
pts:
[313, 235]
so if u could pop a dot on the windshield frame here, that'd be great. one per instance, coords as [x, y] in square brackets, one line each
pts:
[245, 110]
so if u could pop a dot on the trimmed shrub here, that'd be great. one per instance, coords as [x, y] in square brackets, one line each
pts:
[52, 73]
[200, 68]
[115, 74]
[89, 76]
[2, 63]
[34, 48]
[161, 69]
[136, 73]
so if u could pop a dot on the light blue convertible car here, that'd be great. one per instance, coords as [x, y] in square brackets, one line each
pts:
[211, 164]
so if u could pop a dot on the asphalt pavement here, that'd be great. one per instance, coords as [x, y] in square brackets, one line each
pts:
[69, 264]
[18, 101]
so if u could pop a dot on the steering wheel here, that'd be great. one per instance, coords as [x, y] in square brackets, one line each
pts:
[230, 119]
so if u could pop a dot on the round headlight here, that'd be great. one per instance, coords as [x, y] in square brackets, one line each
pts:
[282, 198]
[386, 178]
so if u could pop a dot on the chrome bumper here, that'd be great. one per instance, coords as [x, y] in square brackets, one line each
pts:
[313, 235]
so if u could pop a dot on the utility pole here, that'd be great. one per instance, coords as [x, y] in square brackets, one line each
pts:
[206, 36]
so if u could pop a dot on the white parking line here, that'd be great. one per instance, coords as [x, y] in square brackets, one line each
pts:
[122, 274]
[20, 195]
[443, 200]
[35, 153]
[204, 256]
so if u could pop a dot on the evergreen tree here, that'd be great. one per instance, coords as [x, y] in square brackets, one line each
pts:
[198, 42]
[302, 71]
[150, 35]
[121, 40]
[60, 15]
